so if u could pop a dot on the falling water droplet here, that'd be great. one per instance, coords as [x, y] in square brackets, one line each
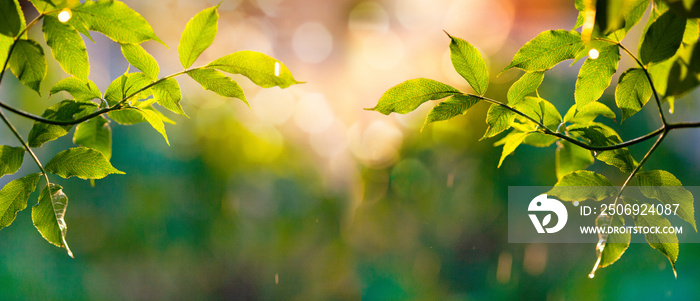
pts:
[591, 275]
[277, 68]
[595, 153]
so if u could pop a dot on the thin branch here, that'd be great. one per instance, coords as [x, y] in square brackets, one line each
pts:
[115, 107]
[26, 147]
[548, 131]
[639, 166]
[646, 72]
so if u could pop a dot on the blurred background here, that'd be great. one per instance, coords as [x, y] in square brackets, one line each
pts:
[306, 196]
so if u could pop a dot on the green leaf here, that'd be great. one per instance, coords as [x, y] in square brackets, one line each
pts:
[665, 187]
[540, 110]
[217, 82]
[198, 35]
[617, 243]
[660, 75]
[407, 96]
[115, 20]
[12, 18]
[512, 142]
[82, 162]
[5, 43]
[524, 86]
[666, 243]
[133, 115]
[632, 92]
[588, 113]
[67, 47]
[44, 6]
[595, 75]
[28, 63]
[570, 157]
[126, 85]
[601, 135]
[547, 50]
[662, 38]
[499, 119]
[48, 216]
[167, 94]
[80, 90]
[684, 74]
[67, 110]
[139, 58]
[583, 185]
[635, 12]
[261, 69]
[692, 31]
[455, 105]
[10, 159]
[468, 62]
[14, 196]
[96, 134]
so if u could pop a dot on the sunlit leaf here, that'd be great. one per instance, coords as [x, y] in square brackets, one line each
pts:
[167, 94]
[217, 82]
[82, 162]
[616, 244]
[583, 185]
[632, 92]
[28, 63]
[665, 187]
[601, 135]
[115, 20]
[79, 89]
[10, 159]
[127, 85]
[499, 119]
[67, 47]
[67, 110]
[666, 243]
[634, 11]
[570, 157]
[547, 50]
[48, 216]
[261, 69]
[468, 62]
[662, 38]
[455, 105]
[512, 142]
[541, 110]
[198, 35]
[595, 75]
[588, 113]
[12, 18]
[14, 196]
[684, 75]
[96, 134]
[524, 86]
[139, 58]
[407, 96]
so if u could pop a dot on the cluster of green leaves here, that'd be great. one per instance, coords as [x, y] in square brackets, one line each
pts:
[128, 100]
[667, 68]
